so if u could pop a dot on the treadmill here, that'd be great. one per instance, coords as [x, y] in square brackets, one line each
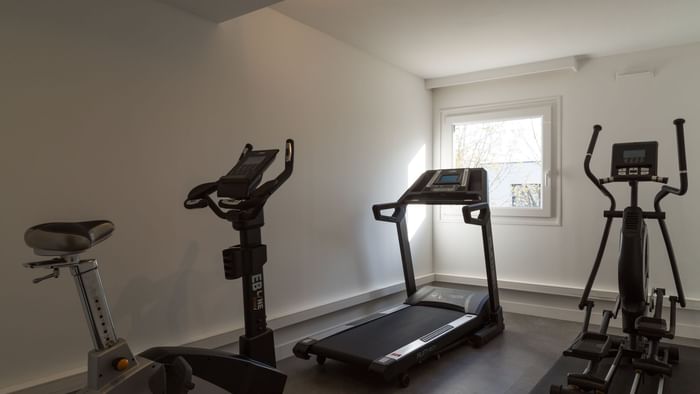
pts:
[432, 319]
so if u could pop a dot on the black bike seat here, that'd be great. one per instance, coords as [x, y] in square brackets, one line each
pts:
[63, 238]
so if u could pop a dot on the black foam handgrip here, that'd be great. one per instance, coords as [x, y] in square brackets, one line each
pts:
[680, 135]
[201, 191]
[197, 197]
[594, 138]
[196, 204]
[682, 165]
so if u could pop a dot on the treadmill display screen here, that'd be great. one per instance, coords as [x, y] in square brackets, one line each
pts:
[450, 179]
[254, 159]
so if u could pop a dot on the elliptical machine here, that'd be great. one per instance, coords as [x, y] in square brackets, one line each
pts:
[633, 163]
[112, 367]
[241, 202]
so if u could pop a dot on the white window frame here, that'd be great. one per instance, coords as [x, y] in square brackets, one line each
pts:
[549, 109]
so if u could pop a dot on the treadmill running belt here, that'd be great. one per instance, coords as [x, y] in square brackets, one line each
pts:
[382, 336]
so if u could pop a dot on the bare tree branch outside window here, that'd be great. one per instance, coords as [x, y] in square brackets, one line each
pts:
[511, 151]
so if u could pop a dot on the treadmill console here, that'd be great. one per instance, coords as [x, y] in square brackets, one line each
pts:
[633, 160]
[448, 180]
[448, 186]
[246, 174]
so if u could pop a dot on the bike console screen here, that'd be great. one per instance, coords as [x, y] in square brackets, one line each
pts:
[246, 174]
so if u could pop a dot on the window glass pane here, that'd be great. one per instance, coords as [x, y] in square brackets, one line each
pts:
[527, 195]
[511, 151]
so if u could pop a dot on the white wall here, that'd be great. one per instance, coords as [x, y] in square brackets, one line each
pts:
[116, 109]
[628, 110]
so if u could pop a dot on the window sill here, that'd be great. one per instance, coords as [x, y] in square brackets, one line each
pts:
[507, 220]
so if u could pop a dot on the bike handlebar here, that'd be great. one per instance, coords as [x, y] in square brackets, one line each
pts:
[200, 196]
[284, 175]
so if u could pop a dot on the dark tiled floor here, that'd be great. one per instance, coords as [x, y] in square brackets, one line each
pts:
[510, 364]
[683, 381]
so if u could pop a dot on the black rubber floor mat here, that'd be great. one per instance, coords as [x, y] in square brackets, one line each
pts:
[684, 379]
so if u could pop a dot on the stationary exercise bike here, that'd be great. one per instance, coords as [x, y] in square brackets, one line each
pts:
[112, 367]
[633, 163]
[241, 200]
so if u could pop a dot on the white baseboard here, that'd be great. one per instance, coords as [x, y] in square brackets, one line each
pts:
[529, 287]
[560, 302]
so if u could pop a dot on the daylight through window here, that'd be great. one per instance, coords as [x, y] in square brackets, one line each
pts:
[514, 143]
[511, 152]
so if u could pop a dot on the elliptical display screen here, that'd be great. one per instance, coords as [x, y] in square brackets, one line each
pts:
[634, 156]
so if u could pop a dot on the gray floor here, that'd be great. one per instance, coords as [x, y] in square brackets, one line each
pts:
[511, 364]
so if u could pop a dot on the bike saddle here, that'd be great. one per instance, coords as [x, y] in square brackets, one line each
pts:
[66, 238]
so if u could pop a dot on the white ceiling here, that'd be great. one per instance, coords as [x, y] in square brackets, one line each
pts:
[436, 38]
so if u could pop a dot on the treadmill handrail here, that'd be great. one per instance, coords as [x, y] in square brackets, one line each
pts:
[396, 216]
[467, 213]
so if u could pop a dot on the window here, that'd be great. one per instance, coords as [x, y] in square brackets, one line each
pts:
[515, 143]
[526, 195]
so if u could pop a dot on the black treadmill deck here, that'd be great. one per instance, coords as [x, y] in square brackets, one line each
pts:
[365, 343]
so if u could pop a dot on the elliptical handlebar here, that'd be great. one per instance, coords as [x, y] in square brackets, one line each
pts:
[665, 191]
[587, 167]
[682, 167]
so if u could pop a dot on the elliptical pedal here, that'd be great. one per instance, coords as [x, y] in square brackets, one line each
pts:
[587, 382]
[652, 367]
[590, 346]
[651, 327]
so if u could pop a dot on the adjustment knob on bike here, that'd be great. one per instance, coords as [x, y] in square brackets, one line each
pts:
[121, 363]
